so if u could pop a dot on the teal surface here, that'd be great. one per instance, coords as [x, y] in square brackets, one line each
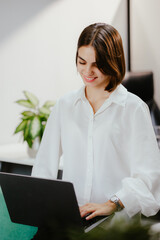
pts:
[10, 230]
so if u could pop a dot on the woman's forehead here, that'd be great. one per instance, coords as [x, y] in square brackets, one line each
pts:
[87, 53]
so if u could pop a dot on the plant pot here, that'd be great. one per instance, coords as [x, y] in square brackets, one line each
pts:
[32, 152]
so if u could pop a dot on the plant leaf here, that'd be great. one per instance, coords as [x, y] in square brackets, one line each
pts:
[21, 126]
[43, 117]
[32, 98]
[44, 110]
[42, 130]
[35, 127]
[43, 127]
[27, 118]
[30, 142]
[26, 130]
[49, 104]
[28, 113]
[25, 103]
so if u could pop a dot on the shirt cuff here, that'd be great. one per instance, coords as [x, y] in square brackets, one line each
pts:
[129, 201]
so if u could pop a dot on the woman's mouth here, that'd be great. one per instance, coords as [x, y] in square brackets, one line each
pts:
[89, 79]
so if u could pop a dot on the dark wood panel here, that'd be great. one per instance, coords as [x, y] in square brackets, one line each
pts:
[20, 169]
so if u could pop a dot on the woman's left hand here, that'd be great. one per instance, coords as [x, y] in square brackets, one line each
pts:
[96, 209]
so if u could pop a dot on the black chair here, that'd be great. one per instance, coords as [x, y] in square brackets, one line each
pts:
[141, 84]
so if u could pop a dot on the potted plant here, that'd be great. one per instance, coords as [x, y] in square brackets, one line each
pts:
[33, 120]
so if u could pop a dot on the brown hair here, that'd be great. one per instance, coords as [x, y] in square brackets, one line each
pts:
[108, 46]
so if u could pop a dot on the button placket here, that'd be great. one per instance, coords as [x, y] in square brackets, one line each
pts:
[89, 159]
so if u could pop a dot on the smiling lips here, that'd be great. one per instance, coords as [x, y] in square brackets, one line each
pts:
[89, 79]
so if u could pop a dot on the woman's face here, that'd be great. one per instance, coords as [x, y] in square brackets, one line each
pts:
[87, 68]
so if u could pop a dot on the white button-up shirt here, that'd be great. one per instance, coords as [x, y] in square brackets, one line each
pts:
[113, 151]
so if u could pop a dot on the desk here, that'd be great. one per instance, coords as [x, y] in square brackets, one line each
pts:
[14, 159]
[18, 166]
[13, 231]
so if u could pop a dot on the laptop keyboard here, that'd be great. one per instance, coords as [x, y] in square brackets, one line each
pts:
[88, 223]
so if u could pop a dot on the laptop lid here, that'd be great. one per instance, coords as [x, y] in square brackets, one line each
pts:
[40, 202]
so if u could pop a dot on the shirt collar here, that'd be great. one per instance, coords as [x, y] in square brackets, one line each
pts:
[80, 95]
[118, 96]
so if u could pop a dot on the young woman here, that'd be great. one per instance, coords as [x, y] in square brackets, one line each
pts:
[104, 133]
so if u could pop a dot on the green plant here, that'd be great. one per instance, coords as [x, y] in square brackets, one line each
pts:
[118, 230]
[33, 120]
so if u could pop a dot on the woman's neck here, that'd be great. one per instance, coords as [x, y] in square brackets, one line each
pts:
[96, 94]
[96, 97]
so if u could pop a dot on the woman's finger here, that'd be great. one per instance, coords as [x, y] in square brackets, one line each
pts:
[92, 215]
[86, 212]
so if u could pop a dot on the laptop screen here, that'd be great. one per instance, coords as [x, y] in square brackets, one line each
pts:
[40, 202]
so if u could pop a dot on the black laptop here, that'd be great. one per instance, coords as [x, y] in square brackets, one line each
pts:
[43, 202]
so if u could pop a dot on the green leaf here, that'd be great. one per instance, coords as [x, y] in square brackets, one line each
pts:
[44, 110]
[21, 126]
[25, 103]
[27, 118]
[43, 117]
[28, 113]
[32, 98]
[49, 104]
[43, 127]
[35, 127]
[30, 142]
[26, 130]
[42, 130]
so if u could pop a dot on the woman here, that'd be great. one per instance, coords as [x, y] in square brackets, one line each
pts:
[104, 133]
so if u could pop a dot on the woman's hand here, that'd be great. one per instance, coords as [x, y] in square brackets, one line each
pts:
[95, 209]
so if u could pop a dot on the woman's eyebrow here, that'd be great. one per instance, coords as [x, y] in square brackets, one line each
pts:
[85, 60]
[81, 58]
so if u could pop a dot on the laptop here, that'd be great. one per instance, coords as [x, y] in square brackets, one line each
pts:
[44, 202]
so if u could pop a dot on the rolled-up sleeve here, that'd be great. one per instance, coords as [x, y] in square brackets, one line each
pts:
[48, 156]
[141, 191]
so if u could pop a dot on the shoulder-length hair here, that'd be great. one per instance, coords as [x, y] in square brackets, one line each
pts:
[108, 47]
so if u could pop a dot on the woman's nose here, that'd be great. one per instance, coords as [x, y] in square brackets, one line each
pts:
[88, 70]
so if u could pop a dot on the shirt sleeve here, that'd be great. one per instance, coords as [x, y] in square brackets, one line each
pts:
[141, 190]
[47, 160]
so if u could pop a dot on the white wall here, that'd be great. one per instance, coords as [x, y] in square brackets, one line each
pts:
[37, 49]
[145, 39]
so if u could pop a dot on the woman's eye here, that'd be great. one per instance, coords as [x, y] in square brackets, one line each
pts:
[82, 63]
